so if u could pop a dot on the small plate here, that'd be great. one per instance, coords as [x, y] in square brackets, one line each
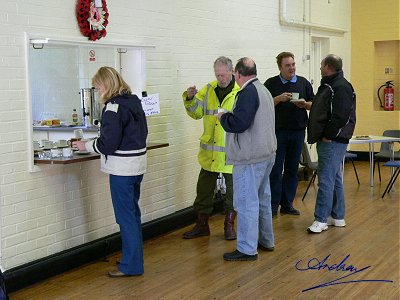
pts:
[297, 100]
[82, 152]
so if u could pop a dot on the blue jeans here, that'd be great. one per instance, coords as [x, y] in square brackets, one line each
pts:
[330, 196]
[125, 193]
[252, 202]
[284, 186]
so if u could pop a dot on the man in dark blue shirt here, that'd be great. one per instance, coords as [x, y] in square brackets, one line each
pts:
[290, 124]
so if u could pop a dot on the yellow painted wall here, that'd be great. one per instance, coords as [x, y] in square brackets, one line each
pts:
[373, 21]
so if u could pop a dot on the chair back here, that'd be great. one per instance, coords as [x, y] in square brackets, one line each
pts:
[391, 133]
[313, 165]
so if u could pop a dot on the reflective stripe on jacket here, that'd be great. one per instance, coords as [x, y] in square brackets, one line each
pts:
[205, 104]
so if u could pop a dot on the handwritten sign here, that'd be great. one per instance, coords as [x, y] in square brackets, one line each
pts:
[151, 104]
[314, 264]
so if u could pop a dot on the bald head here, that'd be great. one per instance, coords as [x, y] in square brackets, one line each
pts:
[332, 63]
[245, 69]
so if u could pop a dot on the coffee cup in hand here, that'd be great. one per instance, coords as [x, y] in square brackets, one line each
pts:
[295, 96]
[222, 110]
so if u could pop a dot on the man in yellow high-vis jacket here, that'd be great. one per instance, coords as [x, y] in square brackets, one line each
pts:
[216, 96]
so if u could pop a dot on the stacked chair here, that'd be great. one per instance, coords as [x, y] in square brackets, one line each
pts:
[311, 165]
[393, 164]
[350, 157]
[384, 153]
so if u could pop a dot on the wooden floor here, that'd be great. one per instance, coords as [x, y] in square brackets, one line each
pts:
[194, 269]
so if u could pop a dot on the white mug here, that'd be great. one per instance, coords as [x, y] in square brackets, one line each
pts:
[223, 110]
[62, 143]
[295, 96]
[46, 144]
[78, 133]
[36, 145]
[42, 142]
[67, 152]
[44, 155]
[55, 153]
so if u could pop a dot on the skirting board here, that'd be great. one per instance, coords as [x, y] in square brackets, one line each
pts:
[41, 269]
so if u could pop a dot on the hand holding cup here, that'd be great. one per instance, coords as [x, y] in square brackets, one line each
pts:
[285, 97]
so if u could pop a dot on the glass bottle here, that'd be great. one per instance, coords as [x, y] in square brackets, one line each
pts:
[74, 117]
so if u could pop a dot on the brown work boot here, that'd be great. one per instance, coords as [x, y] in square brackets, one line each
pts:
[229, 226]
[200, 229]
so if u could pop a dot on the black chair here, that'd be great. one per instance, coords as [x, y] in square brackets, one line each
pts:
[393, 164]
[350, 157]
[312, 165]
[384, 153]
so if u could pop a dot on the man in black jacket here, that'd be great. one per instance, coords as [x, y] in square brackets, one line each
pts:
[331, 125]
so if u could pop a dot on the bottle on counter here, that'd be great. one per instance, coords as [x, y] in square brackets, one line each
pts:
[74, 117]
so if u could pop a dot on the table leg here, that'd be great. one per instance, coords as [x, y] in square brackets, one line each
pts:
[371, 164]
[391, 150]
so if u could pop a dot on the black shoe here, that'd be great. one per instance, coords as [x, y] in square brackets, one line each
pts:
[237, 255]
[263, 248]
[290, 211]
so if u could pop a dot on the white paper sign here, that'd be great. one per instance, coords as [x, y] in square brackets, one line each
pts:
[151, 104]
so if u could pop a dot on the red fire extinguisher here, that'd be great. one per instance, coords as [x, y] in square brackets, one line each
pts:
[388, 93]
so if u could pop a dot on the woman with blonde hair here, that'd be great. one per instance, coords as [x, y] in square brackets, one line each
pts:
[122, 145]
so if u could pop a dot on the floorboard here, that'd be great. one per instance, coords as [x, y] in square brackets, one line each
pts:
[194, 269]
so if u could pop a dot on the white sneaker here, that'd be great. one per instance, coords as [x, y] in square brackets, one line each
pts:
[335, 222]
[317, 227]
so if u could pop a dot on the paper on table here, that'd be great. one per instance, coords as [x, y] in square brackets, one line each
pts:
[362, 137]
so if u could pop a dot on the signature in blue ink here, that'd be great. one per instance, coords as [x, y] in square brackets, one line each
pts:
[343, 266]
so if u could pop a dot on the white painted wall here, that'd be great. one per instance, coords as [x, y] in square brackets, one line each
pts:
[61, 207]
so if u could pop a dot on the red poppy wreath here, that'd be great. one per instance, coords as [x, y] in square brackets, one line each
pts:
[92, 20]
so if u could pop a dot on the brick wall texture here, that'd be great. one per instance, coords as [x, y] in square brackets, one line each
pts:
[59, 207]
